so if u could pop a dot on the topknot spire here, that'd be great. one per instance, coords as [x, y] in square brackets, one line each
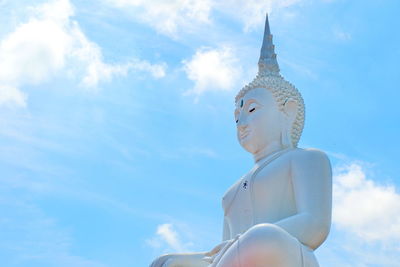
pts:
[267, 64]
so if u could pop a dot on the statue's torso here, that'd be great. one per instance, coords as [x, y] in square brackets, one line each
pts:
[267, 197]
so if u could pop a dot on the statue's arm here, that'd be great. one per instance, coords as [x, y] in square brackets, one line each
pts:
[312, 184]
[226, 233]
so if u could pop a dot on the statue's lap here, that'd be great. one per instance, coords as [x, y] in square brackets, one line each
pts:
[267, 245]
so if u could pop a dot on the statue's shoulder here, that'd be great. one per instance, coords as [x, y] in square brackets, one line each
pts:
[306, 156]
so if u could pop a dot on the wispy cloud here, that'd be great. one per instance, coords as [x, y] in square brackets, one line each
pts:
[29, 237]
[212, 70]
[168, 238]
[167, 17]
[182, 16]
[341, 35]
[49, 42]
[252, 12]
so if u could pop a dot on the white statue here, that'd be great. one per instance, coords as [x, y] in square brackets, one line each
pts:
[280, 211]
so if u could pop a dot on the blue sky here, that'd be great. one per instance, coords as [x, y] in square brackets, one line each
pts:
[117, 136]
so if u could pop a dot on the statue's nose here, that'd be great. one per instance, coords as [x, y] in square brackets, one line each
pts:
[241, 126]
[242, 122]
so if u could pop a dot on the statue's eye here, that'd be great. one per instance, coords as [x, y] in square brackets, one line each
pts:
[237, 121]
[251, 110]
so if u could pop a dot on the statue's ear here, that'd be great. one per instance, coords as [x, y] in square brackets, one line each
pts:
[290, 108]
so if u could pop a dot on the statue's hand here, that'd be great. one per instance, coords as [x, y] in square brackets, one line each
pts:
[214, 256]
[179, 260]
[162, 260]
[215, 252]
[217, 248]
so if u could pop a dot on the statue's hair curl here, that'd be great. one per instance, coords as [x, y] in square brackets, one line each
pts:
[282, 91]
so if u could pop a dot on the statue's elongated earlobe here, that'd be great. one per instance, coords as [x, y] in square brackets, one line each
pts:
[286, 140]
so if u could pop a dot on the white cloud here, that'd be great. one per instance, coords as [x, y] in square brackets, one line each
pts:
[341, 35]
[364, 208]
[166, 235]
[168, 17]
[50, 42]
[11, 94]
[96, 70]
[212, 69]
[170, 236]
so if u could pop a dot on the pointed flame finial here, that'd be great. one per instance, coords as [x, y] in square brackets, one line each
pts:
[267, 64]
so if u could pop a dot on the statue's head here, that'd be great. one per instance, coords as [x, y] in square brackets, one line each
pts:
[269, 109]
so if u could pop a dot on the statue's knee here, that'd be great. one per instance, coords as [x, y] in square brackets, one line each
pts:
[264, 240]
[267, 234]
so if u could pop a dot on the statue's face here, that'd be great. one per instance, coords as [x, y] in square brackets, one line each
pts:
[258, 120]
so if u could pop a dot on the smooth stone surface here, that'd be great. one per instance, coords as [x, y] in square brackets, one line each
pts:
[280, 211]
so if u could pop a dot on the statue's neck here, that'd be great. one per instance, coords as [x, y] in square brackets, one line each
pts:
[267, 151]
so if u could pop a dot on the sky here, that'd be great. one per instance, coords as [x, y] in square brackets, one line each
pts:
[117, 134]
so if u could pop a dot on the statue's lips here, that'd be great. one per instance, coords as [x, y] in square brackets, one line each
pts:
[244, 134]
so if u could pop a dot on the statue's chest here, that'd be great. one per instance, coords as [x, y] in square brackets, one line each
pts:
[272, 192]
[262, 197]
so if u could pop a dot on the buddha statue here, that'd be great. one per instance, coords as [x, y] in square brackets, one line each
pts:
[280, 211]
